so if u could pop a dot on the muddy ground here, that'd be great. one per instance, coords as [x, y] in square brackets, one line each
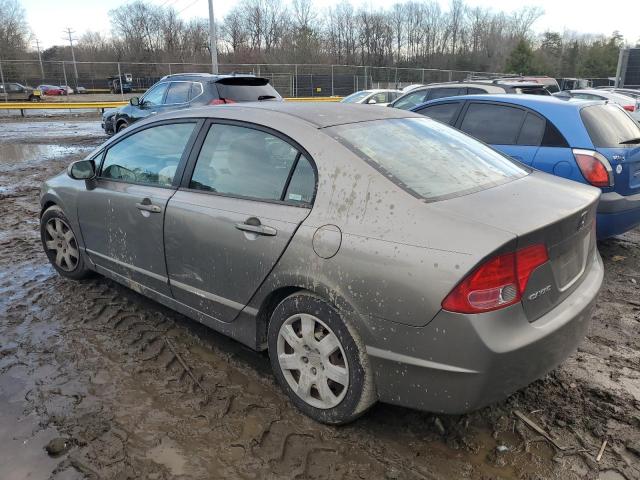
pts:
[128, 389]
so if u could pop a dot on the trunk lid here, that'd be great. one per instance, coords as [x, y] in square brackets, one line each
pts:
[625, 162]
[540, 209]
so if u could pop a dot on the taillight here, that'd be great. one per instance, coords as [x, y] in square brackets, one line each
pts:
[497, 283]
[221, 101]
[629, 108]
[595, 168]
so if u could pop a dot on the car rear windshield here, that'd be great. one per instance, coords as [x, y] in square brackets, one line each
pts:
[428, 159]
[609, 126]
[246, 90]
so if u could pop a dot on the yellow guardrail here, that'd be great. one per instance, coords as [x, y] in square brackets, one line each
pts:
[22, 106]
[79, 105]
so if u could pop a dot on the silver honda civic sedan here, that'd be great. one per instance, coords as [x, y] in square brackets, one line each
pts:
[376, 254]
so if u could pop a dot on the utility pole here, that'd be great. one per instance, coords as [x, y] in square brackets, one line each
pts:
[73, 56]
[40, 60]
[212, 40]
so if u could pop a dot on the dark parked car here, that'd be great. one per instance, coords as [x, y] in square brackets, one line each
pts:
[16, 92]
[376, 254]
[589, 142]
[175, 92]
[453, 89]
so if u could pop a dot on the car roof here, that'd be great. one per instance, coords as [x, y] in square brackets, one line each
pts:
[314, 114]
[565, 115]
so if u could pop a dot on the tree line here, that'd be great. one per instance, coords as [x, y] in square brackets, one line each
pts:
[413, 33]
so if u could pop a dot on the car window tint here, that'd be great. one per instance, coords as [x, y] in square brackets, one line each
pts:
[243, 161]
[428, 159]
[475, 91]
[410, 100]
[178, 93]
[553, 138]
[443, 112]
[154, 96]
[302, 184]
[532, 130]
[150, 156]
[493, 124]
[443, 92]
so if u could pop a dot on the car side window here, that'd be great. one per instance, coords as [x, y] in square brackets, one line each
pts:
[391, 96]
[411, 100]
[196, 89]
[178, 92]
[150, 156]
[553, 138]
[244, 162]
[532, 130]
[436, 93]
[379, 98]
[443, 112]
[302, 184]
[475, 91]
[155, 95]
[493, 124]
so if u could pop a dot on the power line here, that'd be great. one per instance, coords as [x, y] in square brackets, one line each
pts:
[69, 32]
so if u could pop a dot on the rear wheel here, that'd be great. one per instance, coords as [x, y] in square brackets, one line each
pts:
[34, 98]
[60, 244]
[318, 360]
[121, 126]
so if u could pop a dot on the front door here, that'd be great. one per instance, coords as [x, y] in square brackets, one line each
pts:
[122, 217]
[233, 217]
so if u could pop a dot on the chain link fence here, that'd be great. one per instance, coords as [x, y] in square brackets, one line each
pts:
[290, 80]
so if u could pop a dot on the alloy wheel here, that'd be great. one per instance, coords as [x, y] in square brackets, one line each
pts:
[59, 238]
[313, 361]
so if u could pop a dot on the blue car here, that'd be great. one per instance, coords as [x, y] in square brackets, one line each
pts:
[590, 142]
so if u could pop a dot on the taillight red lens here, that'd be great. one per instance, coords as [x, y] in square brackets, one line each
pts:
[497, 283]
[595, 168]
[221, 101]
[629, 108]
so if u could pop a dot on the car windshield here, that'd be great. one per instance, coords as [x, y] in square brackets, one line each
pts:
[609, 126]
[355, 97]
[428, 159]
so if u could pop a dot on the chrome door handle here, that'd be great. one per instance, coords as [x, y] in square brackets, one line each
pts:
[258, 229]
[147, 207]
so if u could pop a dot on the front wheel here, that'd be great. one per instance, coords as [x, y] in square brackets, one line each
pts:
[319, 361]
[61, 246]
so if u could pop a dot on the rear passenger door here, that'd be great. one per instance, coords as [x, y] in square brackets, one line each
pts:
[243, 196]
[512, 130]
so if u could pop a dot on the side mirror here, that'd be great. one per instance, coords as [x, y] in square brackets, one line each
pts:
[135, 101]
[82, 170]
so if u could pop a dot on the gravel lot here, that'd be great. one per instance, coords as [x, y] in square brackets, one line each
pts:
[121, 387]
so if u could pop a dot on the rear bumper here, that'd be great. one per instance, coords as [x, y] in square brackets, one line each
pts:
[458, 363]
[617, 214]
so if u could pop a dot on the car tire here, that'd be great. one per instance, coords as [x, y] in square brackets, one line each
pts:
[34, 98]
[60, 244]
[304, 364]
[121, 126]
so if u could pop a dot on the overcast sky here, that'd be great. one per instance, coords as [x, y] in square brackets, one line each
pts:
[49, 19]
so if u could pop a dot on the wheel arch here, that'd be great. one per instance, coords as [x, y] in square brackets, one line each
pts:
[269, 297]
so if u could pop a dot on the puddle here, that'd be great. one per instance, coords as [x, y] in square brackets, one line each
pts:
[22, 454]
[25, 131]
[25, 155]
